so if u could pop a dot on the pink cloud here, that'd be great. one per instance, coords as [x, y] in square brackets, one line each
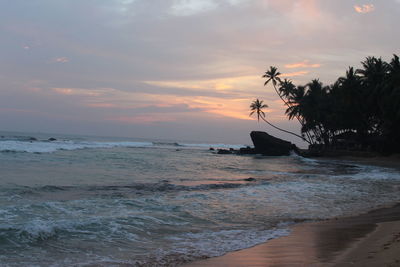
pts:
[79, 91]
[303, 64]
[297, 73]
[364, 8]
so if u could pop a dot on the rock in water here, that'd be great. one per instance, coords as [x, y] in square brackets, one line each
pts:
[269, 145]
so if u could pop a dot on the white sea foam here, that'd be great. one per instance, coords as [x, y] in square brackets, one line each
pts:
[48, 147]
[226, 146]
[212, 244]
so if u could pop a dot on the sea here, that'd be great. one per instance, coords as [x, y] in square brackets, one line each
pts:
[96, 201]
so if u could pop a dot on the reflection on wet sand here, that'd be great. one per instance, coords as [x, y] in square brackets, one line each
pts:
[309, 244]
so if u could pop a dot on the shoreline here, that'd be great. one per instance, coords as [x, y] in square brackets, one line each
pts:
[367, 239]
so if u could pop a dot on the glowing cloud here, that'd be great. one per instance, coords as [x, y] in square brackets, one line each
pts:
[297, 73]
[303, 64]
[364, 8]
[222, 84]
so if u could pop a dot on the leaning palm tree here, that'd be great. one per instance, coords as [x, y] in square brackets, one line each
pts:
[272, 75]
[257, 106]
[286, 88]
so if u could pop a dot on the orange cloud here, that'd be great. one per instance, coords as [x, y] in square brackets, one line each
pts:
[364, 8]
[235, 106]
[303, 64]
[222, 84]
[293, 74]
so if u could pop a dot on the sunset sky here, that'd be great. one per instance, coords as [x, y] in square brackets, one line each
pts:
[175, 69]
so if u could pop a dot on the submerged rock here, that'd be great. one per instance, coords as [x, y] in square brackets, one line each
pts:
[225, 151]
[269, 145]
[247, 150]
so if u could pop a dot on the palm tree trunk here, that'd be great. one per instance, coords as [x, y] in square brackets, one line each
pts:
[285, 130]
[308, 140]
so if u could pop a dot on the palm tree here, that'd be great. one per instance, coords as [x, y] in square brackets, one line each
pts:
[257, 107]
[272, 75]
[295, 100]
[286, 87]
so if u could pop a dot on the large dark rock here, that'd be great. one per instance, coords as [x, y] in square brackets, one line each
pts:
[271, 146]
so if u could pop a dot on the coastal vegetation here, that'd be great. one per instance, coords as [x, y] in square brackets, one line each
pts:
[360, 111]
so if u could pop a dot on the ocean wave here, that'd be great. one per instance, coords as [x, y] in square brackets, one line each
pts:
[193, 246]
[136, 187]
[35, 230]
[226, 146]
[32, 145]
[49, 147]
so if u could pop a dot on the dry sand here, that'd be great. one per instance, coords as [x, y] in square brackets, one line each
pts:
[379, 248]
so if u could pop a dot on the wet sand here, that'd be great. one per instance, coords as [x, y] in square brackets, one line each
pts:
[371, 239]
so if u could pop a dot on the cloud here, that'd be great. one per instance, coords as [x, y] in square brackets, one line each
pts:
[142, 119]
[303, 64]
[61, 60]
[191, 7]
[80, 91]
[293, 74]
[228, 84]
[366, 8]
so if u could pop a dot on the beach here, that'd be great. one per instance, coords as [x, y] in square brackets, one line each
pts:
[369, 239]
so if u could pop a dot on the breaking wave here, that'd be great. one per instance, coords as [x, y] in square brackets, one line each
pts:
[31, 145]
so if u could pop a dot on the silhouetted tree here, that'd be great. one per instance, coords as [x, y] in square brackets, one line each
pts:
[257, 106]
[363, 104]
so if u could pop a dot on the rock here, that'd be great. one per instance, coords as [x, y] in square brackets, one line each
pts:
[247, 150]
[212, 149]
[225, 151]
[250, 179]
[52, 139]
[269, 145]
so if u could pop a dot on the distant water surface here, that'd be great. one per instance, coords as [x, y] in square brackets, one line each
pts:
[111, 201]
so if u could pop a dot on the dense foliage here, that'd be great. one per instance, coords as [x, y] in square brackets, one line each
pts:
[361, 110]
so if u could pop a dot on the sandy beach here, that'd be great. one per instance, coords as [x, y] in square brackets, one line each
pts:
[371, 239]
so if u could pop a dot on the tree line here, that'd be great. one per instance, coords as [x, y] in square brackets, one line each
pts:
[360, 111]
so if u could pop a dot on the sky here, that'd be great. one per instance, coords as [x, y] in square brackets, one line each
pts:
[175, 69]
